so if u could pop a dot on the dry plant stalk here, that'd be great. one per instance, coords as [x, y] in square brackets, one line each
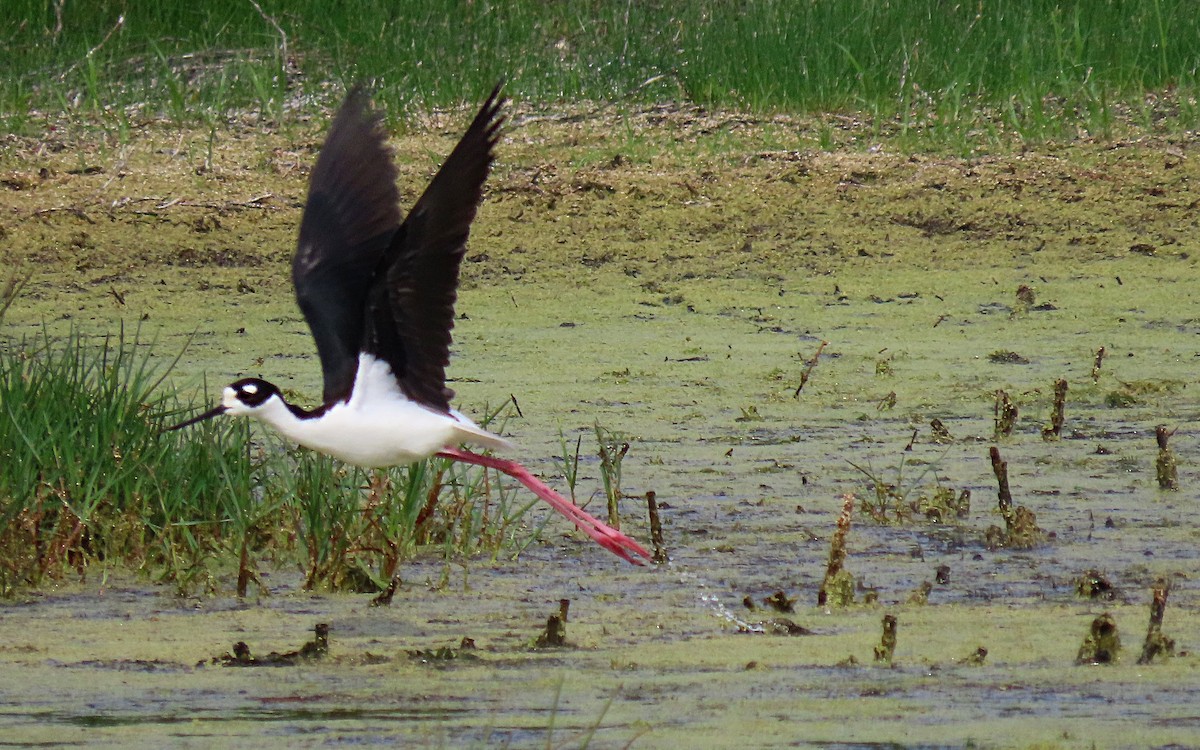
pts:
[837, 552]
[385, 597]
[612, 451]
[887, 644]
[1005, 414]
[809, 365]
[656, 532]
[1000, 469]
[1096, 366]
[1165, 467]
[1054, 431]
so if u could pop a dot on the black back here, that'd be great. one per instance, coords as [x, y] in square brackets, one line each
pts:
[364, 281]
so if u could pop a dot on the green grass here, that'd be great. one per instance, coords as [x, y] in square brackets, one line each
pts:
[948, 71]
[87, 477]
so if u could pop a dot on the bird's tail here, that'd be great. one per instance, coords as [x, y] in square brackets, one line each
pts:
[469, 432]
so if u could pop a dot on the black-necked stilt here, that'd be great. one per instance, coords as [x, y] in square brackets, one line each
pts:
[378, 295]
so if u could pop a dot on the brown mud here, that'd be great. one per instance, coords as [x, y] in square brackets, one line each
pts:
[670, 275]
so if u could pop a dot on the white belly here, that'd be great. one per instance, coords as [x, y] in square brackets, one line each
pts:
[378, 426]
[401, 433]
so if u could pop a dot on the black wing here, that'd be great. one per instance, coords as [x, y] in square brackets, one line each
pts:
[350, 218]
[411, 310]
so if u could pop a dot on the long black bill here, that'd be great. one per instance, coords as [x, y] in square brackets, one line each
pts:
[214, 412]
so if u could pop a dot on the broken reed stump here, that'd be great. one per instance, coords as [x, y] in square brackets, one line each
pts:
[1157, 643]
[1005, 414]
[1054, 431]
[940, 434]
[317, 648]
[920, 595]
[1096, 366]
[1021, 530]
[1165, 467]
[780, 602]
[887, 644]
[555, 634]
[1102, 644]
[1026, 298]
[385, 597]
[656, 532]
[838, 587]
[1000, 469]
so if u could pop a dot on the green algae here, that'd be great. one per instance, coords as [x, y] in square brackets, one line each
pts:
[665, 295]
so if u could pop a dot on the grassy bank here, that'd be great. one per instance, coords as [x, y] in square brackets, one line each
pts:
[986, 70]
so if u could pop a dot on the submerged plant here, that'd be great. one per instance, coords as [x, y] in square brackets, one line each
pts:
[1092, 584]
[11, 289]
[893, 502]
[555, 634]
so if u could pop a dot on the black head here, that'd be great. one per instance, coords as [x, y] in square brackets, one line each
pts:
[248, 393]
[244, 396]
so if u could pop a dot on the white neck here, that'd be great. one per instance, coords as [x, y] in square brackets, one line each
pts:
[277, 414]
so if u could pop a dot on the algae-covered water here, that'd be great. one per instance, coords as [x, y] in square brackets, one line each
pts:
[670, 275]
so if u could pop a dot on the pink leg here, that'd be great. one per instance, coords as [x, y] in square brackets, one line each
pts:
[606, 536]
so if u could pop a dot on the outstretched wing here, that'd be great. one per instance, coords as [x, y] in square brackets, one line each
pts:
[411, 311]
[350, 218]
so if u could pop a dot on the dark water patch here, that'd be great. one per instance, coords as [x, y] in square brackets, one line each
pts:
[299, 716]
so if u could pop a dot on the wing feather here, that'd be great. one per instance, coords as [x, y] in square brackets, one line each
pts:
[350, 219]
[411, 310]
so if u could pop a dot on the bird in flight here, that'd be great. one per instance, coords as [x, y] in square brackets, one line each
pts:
[378, 292]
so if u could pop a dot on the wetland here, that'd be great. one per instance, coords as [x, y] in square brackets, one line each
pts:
[772, 312]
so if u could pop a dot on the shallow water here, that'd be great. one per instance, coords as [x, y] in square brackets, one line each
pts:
[697, 361]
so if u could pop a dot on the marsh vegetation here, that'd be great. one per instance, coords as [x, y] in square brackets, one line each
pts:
[805, 332]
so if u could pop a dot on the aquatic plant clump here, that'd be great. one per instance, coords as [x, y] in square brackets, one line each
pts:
[87, 475]
[1102, 645]
[84, 474]
[900, 503]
